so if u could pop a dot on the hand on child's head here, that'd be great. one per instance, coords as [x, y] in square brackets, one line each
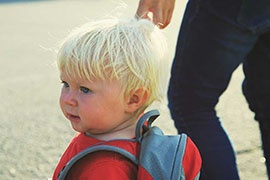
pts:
[130, 50]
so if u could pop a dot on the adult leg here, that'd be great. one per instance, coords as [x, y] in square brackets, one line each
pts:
[208, 51]
[256, 88]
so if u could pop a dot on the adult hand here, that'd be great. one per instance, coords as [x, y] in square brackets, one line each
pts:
[161, 10]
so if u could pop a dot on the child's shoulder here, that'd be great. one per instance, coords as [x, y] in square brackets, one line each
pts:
[104, 165]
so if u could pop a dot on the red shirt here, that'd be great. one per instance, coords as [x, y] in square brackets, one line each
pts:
[102, 165]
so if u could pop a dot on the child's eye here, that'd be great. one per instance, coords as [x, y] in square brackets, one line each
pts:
[84, 89]
[65, 84]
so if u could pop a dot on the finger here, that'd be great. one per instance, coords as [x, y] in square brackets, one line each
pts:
[160, 13]
[142, 11]
[158, 17]
[168, 18]
[160, 25]
[141, 14]
[164, 13]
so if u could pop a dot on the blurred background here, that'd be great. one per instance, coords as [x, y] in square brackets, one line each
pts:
[33, 131]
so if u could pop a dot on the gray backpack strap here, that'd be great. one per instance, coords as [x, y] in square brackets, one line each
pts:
[92, 149]
[148, 117]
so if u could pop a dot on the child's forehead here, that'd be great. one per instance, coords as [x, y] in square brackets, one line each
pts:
[83, 80]
[64, 75]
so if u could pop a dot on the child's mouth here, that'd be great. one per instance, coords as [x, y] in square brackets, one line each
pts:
[73, 118]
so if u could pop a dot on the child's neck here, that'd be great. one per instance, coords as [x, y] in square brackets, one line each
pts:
[126, 133]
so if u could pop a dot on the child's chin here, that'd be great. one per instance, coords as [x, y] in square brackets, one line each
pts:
[77, 129]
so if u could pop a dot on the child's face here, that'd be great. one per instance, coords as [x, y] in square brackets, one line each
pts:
[96, 107]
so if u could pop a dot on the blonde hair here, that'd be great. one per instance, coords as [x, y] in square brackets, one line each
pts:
[132, 51]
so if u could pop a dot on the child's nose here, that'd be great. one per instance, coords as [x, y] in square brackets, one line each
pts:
[70, 98]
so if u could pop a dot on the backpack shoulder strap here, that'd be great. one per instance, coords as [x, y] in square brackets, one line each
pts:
[92, 149]
[141, 127]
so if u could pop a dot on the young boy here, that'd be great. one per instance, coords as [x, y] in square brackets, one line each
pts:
[111, 71]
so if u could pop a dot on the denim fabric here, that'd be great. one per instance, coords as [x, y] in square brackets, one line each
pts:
[249, 14]
[216, 36]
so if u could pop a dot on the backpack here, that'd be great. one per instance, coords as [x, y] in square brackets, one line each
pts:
[162, 157]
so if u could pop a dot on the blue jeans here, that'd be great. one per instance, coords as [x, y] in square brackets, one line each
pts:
[216, 36]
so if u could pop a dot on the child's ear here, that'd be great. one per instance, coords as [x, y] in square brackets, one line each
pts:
[136, 99]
